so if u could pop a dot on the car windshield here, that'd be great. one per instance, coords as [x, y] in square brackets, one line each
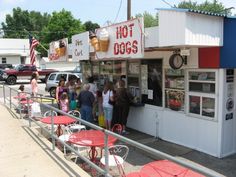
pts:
[18, 67]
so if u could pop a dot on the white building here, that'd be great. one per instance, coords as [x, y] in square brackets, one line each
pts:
[15, 51]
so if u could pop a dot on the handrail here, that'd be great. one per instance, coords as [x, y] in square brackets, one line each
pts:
[204, 171]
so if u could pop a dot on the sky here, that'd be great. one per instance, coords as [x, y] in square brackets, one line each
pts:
[97, 11]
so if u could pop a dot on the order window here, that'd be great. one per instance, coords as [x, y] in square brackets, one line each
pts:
[202, 91]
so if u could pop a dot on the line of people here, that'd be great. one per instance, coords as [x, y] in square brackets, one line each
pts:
[112, 102]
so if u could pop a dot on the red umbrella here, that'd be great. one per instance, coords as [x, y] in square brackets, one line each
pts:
[165, 168]
[137, 174]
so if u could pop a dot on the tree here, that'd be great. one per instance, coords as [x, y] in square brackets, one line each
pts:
[215, 6]
[21, 21]
[149, 20]
[61, 24]
[90, 26]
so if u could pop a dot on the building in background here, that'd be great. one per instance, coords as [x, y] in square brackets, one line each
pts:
[15, 51]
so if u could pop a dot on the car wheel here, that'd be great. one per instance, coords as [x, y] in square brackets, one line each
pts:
[11, 80]
[53, 92]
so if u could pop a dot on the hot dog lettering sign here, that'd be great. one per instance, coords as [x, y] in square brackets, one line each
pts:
[129, 47]
[125, 40]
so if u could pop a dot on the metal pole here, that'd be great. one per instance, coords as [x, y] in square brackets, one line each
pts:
[28, 111]
[106, 155]
[52, 131]
[19, 105]
[4, 94]
[10, 97]
[128, 9]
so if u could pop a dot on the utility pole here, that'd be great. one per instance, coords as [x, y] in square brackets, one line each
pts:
[128, 9]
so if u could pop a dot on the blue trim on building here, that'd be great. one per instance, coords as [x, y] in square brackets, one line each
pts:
[193, 11]
[228, 51]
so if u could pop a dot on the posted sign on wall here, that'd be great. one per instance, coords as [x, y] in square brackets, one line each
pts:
[58, 50]
[125, 40]
[80, 46]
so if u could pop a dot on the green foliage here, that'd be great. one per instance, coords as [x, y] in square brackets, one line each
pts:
[62, 24]
[21, 21]
[149, 20]
[215, 6]
[90, 26]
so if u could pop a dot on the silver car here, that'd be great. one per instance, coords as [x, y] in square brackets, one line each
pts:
[54, 78]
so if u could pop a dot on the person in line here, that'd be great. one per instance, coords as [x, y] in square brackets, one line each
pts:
[34, 84]
[64, 102]
[100, 100]
[21, 92]
[86, 100]
[121, 108]
[72, 92]
[107, 96]
[61, 88]
[78, 86]
[93, 88]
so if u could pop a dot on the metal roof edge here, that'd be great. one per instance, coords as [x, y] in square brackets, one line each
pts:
[193, 11]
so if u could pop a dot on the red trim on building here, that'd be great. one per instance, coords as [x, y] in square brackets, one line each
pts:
[209, 57]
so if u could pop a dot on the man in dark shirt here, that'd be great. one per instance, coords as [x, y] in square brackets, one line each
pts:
[86, 100]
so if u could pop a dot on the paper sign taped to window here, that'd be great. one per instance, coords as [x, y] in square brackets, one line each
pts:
[150, 94]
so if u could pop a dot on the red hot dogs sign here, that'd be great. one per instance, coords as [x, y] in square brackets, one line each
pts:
[124, 40]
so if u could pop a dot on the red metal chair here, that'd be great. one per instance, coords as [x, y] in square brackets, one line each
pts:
[117, 128]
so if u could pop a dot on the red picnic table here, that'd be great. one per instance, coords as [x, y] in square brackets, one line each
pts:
[26, 102]
[91, 138]
[19, 97]
[166, 168]
[58, 120]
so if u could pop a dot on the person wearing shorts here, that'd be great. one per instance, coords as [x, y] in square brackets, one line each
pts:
[107, 95]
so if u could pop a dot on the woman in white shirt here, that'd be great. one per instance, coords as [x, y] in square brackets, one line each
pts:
[108, 94]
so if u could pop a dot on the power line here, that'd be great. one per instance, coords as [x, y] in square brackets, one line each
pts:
[23, 31]
[118, 11]
[167, 3]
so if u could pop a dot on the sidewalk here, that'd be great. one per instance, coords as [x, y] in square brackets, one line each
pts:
[225, 166]
[23, 154]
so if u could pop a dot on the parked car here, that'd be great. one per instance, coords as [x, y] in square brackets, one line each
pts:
[24, 71]
[6, 66]
[54, 78]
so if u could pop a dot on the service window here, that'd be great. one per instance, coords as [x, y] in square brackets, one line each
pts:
[202, 93]
[151, 76]
[174, 89]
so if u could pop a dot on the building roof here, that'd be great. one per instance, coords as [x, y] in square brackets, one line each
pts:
[14, 47]
[194, 11]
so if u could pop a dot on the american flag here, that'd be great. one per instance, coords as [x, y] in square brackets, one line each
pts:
[33, 43]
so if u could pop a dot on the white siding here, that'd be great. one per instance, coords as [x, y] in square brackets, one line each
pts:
[11, 59]
[171, 28]
[203, 30]
[151, 37]
[192, 60]
[189, 29]
[60, 66]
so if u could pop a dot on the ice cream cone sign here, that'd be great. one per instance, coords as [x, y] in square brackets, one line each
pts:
[62, 48]
[104, 40]
[94, 41]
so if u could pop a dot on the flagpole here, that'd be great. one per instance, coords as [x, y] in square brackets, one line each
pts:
[43, 47]
[38, 43]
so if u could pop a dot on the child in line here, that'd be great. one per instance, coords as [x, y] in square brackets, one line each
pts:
[21, 92]
[64, 102]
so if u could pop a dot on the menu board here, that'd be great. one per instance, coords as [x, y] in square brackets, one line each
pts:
[144, 79]
[133, 68]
